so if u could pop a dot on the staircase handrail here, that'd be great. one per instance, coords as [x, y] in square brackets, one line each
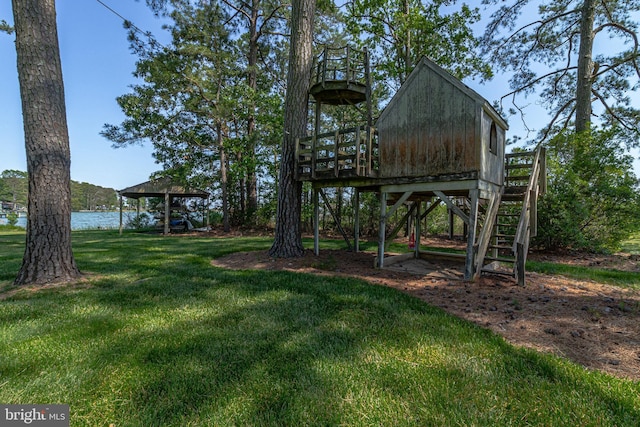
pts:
[525, 217]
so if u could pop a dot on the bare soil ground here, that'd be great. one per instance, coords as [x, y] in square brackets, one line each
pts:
[593, 324]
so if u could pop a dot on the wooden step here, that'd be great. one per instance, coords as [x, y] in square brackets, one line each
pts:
[519, 166]
[500, 259]
[504, 247]
[518, 178]
[501, 272]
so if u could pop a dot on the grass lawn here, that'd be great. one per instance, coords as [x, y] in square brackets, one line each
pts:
[156, 336]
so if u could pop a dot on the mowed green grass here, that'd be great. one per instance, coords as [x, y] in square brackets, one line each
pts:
[156, 336]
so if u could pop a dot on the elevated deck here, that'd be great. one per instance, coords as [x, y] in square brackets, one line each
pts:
[338, 156]
[341, 76]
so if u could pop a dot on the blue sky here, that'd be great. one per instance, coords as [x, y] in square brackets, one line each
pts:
[97, 67]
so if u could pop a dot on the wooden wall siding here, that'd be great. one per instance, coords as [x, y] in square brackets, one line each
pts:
[431, 128]
[492, 165]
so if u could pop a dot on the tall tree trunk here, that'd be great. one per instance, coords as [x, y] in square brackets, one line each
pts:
[223, 180]
[408, 65]
[288, 238]
[585, 67]
[252, 77]
[48, 256]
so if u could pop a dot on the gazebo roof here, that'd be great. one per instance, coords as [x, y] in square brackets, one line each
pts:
[159, 188]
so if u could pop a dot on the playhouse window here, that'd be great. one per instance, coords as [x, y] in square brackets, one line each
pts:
[493, 139]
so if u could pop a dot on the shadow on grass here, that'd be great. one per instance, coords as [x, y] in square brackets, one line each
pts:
[164, 338]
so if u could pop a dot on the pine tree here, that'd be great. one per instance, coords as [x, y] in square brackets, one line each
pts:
[48, 256]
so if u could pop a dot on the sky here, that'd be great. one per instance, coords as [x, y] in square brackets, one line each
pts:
[97, 67]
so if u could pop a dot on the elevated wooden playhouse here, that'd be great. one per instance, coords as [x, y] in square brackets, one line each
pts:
[437, 141]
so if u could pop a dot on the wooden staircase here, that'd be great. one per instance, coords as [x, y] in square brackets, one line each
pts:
[516, 218]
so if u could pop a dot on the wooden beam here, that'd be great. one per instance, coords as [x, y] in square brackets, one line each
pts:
[452, 185]
[452, 206]
[400, 224]
[335, 218]
[430, 209]
[399, 203]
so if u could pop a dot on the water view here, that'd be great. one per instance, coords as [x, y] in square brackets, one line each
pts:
[88, 220]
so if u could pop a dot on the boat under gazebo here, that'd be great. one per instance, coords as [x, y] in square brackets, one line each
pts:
[162, 188]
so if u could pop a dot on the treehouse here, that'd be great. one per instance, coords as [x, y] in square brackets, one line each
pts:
[437, 141]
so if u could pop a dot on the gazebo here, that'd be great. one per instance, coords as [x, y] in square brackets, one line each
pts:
[163, 188]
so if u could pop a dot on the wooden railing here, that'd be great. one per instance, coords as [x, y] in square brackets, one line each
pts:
[344, 153]
[343, 64]
[527, 226]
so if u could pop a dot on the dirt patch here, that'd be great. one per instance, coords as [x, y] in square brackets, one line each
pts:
[593, 324]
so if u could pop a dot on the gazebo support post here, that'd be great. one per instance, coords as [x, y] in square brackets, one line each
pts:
[167, 212]
[121, 204]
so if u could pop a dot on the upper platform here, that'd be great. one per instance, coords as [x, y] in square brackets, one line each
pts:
[341, 76]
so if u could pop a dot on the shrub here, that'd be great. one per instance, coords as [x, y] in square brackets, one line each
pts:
[139, 222]
[592, 201]
[12, 218]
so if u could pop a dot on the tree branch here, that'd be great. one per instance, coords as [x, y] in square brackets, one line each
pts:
[268, 18]
[609, 110]
[556, 116]
[536, 81]
[238, 10]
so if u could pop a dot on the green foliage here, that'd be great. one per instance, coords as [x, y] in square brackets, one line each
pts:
[5, 28]
[157, 336]
[12, 218]
[14, 186]
[400, 32]
[84, 196]
[143, 221]
[537, 43]
[592, 201]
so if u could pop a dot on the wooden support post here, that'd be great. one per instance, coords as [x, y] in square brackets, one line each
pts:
[121, 206]
[418, 229]
[451, 223]
[314, 140]
[382, 228]
[369, 149]
[521, 259]
[356, 220]
[358, 155]
[208, 220]
[167, 213]
[336, 154]
[471, 239]
[316, 222]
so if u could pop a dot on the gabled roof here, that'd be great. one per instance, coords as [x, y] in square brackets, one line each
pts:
[426, 63]
[160, 187]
